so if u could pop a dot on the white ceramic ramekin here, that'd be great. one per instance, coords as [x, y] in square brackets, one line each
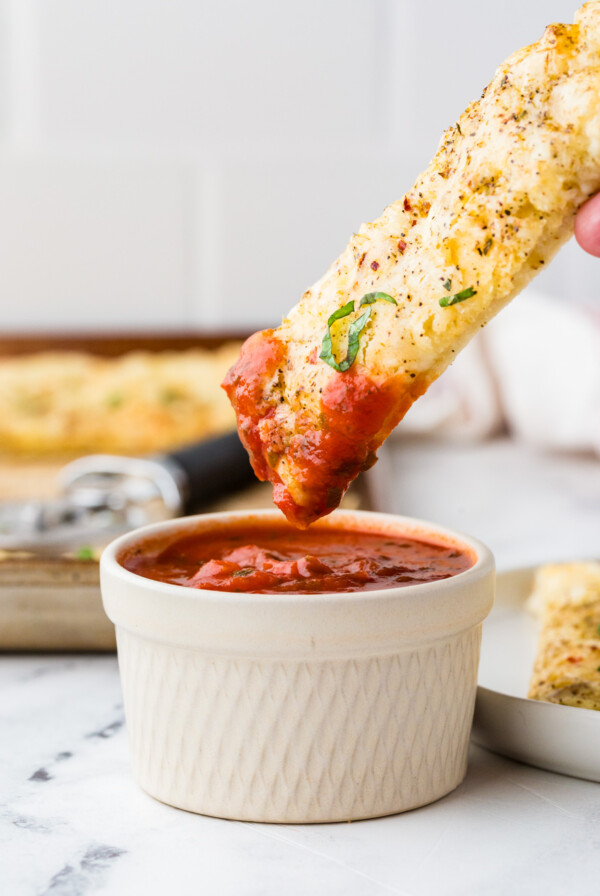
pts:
[294, 707]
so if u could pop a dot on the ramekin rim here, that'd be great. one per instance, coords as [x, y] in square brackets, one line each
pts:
[109, 562]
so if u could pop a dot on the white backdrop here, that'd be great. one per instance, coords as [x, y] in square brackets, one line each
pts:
[166, 163]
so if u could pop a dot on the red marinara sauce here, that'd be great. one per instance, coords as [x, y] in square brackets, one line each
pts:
[275, 559]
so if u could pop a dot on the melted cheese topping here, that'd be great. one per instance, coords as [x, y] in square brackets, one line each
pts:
[495, 204]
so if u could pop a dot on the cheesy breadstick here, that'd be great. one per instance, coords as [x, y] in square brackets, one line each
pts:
[567, 666]
[316, 397]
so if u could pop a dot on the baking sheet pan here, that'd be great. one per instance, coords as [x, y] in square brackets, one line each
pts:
[55, 604]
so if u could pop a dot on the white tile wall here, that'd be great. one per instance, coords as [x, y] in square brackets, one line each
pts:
[85, 245]
[173, 70]
[4, 67]
[181, 162]
[452, 53]
[283, 221]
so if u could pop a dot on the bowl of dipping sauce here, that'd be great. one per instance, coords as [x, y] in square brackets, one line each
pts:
[277, 675]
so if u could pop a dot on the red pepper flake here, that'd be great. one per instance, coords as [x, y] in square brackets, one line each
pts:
[407, 205]
[401, 246]
[312, 358]
[574, 659]
[374, 265]
[361, 259]
[413, 222]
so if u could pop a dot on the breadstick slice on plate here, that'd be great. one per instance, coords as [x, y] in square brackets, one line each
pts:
[566, 597]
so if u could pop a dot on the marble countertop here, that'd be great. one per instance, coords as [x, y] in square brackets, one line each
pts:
[72, 821]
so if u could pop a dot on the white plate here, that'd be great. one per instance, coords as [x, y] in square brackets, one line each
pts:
[562, 739]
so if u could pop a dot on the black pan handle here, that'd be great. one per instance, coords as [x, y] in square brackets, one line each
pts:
[212, 469]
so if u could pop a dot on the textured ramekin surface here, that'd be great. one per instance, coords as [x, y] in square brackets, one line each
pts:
[298, 708]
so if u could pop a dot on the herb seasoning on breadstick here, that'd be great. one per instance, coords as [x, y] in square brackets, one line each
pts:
[316, 397]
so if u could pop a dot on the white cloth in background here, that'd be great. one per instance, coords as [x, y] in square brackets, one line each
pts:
[462, 404]
[535, 369]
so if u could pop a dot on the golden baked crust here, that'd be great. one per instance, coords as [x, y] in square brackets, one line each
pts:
[495, 204]
[60, 403]
[567, 665]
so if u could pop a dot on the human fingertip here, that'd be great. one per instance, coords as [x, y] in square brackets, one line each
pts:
[587, 226]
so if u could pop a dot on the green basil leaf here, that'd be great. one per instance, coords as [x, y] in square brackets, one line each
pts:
[85, 553]
[374, 296]
[458, 297]
[326, 347]
[354, 330]
[344, 311]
